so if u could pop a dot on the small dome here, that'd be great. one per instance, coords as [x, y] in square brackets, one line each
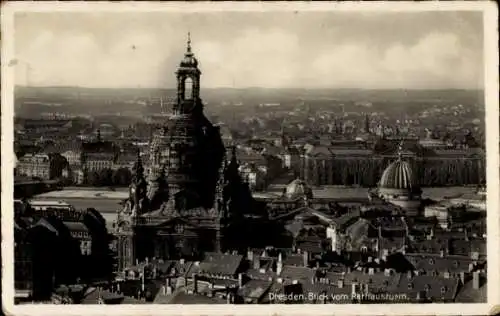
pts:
[189, 61]
[298, 188]
[399, 175]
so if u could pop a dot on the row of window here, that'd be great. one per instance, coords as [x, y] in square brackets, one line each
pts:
[86, 247]
[427, 287]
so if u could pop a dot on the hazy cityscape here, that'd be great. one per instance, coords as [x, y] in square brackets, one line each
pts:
[190, 193]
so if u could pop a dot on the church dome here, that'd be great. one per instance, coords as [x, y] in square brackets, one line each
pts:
[399, 175]
[298, 188]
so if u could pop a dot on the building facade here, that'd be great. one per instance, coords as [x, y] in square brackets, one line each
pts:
[331, 165]
[179, 210]
[34, 165]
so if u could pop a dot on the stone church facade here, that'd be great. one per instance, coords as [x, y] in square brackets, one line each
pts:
[182, 208]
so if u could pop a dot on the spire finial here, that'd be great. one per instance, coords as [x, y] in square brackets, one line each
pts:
[189, 43]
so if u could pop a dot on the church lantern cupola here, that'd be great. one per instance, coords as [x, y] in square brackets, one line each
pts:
[188, 82]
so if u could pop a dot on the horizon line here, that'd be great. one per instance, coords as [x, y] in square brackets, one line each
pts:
[254, 87]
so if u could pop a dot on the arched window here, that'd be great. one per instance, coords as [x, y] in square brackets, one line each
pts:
[188, 88]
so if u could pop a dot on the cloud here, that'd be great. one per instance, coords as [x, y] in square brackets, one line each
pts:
[138, 54]
[437, 60]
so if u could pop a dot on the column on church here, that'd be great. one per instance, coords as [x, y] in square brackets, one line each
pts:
[217, 239]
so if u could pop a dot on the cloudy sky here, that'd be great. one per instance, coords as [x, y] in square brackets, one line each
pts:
[249, 49]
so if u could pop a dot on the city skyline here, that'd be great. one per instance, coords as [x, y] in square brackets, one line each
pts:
[313, 50]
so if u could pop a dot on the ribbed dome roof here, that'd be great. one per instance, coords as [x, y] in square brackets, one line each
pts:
[399, 175]
[298, 188]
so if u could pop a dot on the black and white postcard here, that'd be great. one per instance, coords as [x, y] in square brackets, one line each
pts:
[250, 158]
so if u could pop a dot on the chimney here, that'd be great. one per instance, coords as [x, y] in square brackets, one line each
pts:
[168, 282]
[471, 267]
[250, 255]
[118, 287]
[305, 257]
[256, 262]
[462, 277]
[380, 232]
[169, 290]
[240, 279]
[466, 234]
[370, 259]
[279, 265]
[147, 260]
[409, 275]
[340, 283]
[142, 282]
[474, 255]
[447, 274]
[371, 271]
[195, 283]
[441, 253]
[354, 288]
[366, 288]
[164, 290]
[182, 261]
[475, 280]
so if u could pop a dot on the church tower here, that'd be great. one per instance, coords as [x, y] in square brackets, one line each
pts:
[178, 212]
[188, 147]
[188, 83]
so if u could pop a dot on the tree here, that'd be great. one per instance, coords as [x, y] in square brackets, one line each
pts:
[56, 165]
[105, 177]
[122, 176]
[93, 179]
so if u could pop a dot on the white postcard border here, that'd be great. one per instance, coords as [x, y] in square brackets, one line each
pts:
[493, 162]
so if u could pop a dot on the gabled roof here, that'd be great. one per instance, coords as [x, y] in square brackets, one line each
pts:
[94, 295]
[46, 224]
[216, 263]
[76, 226]
[431, 262]
[297, 273]
[254, 289]
[435, 288]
